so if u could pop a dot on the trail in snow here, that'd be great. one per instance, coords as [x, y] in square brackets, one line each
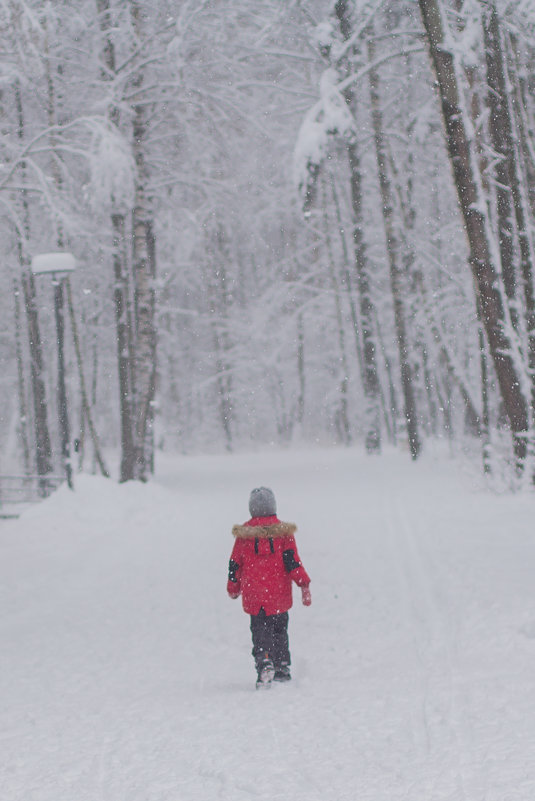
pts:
[126, 674]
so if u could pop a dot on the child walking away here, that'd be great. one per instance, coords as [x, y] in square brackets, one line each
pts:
[263, 564]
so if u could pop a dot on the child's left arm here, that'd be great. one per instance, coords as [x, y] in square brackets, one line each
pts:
[292, 563]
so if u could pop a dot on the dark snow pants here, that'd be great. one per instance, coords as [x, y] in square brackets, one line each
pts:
[270, 638]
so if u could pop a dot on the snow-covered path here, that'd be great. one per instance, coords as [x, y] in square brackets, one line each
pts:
[126, 675]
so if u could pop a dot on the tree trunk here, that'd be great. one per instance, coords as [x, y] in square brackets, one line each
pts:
[521, 102]
[121, 289]
[396, 272]
[369, 361]
[497, 68]
[477, 229]
[486, 450]
[23, 408]
[346, 279]
[502, 147]
[144, 305]
[59, 295]
[215, 282]
[86, 407]
[144, 271]
[430, 393]
[511, 174]
[300, 414]
[345, 429]
[42, 436]
[43, 449]
[123, 338]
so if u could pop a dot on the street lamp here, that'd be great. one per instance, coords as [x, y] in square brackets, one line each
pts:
[59, 265]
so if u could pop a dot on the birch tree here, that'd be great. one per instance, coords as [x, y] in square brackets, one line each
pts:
[121, 285]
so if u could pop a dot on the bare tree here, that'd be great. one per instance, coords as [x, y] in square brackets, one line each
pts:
[508, 179]
[121, 286]
[344, 12]
[497, 327]
[21, 383]
[393, 249]
[144, 272]
[43, 448]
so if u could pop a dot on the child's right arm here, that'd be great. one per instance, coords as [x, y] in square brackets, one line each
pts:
[234, 572]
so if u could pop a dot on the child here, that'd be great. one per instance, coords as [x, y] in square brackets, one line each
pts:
[263, 564]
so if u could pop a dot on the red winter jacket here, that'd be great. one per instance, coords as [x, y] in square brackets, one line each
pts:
[263, 564]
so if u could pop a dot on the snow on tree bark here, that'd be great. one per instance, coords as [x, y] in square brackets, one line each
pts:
[21, 382]
[486, 279]
[144, 272]
[125, 334]
[343, 12]
[393, 255]
[508, 177]
[43, 448]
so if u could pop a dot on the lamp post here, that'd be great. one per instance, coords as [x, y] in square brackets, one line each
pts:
[58, 265]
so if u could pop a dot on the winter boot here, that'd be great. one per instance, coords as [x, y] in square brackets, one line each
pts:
[265, 671]
[282, 672]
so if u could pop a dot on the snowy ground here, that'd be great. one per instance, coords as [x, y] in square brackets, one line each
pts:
[126, 675]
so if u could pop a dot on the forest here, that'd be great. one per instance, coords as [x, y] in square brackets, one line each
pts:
[278, 223]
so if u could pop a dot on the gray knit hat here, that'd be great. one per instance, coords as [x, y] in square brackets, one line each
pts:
[262, 502]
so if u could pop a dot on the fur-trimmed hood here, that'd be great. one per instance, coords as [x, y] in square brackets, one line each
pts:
[279, 529]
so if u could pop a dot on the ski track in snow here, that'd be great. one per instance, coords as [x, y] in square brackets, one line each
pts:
[126, 673]
[435, 641]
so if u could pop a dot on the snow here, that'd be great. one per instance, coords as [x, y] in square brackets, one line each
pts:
[111, 168]
[60, 262]
[328, 117]
[126, 674]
